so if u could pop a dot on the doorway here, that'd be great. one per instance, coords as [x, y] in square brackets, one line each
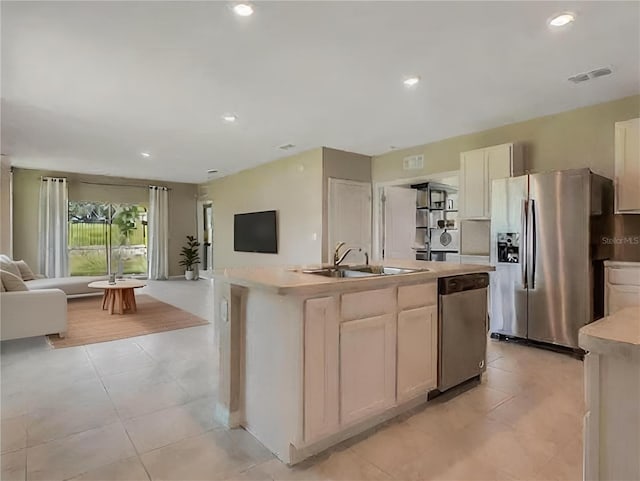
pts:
[107, 238]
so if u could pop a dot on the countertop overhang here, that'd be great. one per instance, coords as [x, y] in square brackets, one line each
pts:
[290, 280]
[618, 334]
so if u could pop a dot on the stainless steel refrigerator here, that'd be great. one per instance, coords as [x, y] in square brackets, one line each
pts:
[547, 242]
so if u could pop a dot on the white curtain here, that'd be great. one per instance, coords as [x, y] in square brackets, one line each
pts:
[54, 217]
[158, 229]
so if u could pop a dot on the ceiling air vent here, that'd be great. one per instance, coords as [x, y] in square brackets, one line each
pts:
[583, 77]
[413, 162]
[600, 72]
[286, 146]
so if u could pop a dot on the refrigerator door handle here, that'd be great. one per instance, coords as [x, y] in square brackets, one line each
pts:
[531, 247]
[523, 232]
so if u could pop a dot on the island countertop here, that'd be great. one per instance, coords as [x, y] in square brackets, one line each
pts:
[291, 280]
[618, 333]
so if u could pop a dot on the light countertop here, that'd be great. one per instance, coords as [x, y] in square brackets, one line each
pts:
[621, 264]
[289, 280]
[618, 333]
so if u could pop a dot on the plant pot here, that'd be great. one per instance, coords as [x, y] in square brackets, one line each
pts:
[188, 275]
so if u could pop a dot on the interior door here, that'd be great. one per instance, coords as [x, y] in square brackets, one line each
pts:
[349, 217]
[399, 222]
[558, 256]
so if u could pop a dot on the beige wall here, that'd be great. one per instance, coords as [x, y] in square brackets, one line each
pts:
[578, 138]
[6, 236]
[26, 192]
[293, 187]
[339, 164]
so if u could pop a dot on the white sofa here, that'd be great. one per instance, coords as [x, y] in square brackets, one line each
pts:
[43, 308]
[32, 313]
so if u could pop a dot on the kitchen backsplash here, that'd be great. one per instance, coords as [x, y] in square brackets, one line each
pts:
[475, 236]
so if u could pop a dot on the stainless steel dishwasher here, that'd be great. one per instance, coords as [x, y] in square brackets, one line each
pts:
[462, 323]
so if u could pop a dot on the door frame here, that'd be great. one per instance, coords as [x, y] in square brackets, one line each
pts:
[331, 183]
[377, 226]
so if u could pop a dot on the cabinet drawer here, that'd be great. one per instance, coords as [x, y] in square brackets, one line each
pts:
[359, 305]
[629, 276]
[410, 297]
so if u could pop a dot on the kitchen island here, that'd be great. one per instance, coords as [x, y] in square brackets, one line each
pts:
[309, 360]
[612, 393]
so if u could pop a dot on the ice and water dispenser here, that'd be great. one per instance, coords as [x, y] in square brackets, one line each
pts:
[508, 247]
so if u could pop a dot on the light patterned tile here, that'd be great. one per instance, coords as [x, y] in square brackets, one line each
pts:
[76, 454]
[130, 469]
[14, 466]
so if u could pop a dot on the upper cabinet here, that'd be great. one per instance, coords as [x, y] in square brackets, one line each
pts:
[478, 168]
[627, 167]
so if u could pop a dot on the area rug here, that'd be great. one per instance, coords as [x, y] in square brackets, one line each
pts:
[88, 323]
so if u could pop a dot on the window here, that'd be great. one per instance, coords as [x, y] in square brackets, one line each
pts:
[102, 232]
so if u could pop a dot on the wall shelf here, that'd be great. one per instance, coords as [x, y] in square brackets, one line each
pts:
[433, 194]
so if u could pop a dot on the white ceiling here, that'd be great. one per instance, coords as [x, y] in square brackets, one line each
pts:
[87, 86]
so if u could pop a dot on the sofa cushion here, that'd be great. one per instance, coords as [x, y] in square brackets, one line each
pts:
[25, 271]
[10, 266]
[11, 282]
[71, 286]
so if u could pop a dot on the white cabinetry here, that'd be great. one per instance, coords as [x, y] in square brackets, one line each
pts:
[366, 352]
[417, 366]
[622, 286]
[627, 166]
[417, 340]
[478, 168]
[321, 337]
[367, 367]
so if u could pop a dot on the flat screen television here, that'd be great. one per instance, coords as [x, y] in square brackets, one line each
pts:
[256, 232]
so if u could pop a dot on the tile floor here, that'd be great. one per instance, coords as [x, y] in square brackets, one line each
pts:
[141, 408]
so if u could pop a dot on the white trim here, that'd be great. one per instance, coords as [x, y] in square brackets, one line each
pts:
[376, 224]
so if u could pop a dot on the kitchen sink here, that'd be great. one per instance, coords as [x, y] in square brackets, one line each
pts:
[360, 271]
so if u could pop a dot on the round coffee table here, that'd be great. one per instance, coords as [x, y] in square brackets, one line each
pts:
[118, 297]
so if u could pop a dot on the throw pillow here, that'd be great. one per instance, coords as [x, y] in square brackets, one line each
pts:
[10, 266]
[25, 271]
[12, 283]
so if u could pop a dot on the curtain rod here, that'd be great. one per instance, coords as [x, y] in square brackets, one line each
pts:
[137, 186]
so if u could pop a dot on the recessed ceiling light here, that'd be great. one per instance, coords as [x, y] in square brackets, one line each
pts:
[212, 171]
[229, 118]
[411, 81]
[562, 19]
[243, 9]
[145, 154]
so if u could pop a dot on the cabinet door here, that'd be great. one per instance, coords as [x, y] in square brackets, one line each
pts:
[473, 185]
[627, 166]
[417, 351]
[498, 160]
[620, 297]
[367, 367]
[321, 339]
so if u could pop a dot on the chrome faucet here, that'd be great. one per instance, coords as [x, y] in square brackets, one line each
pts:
[337, 258]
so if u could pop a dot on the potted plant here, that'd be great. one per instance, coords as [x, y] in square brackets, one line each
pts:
[190, 257]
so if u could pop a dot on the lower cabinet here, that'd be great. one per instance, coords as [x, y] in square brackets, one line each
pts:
[362, 356]
[417, 351]
[622, 285]
[321, 338]
[367, 366]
